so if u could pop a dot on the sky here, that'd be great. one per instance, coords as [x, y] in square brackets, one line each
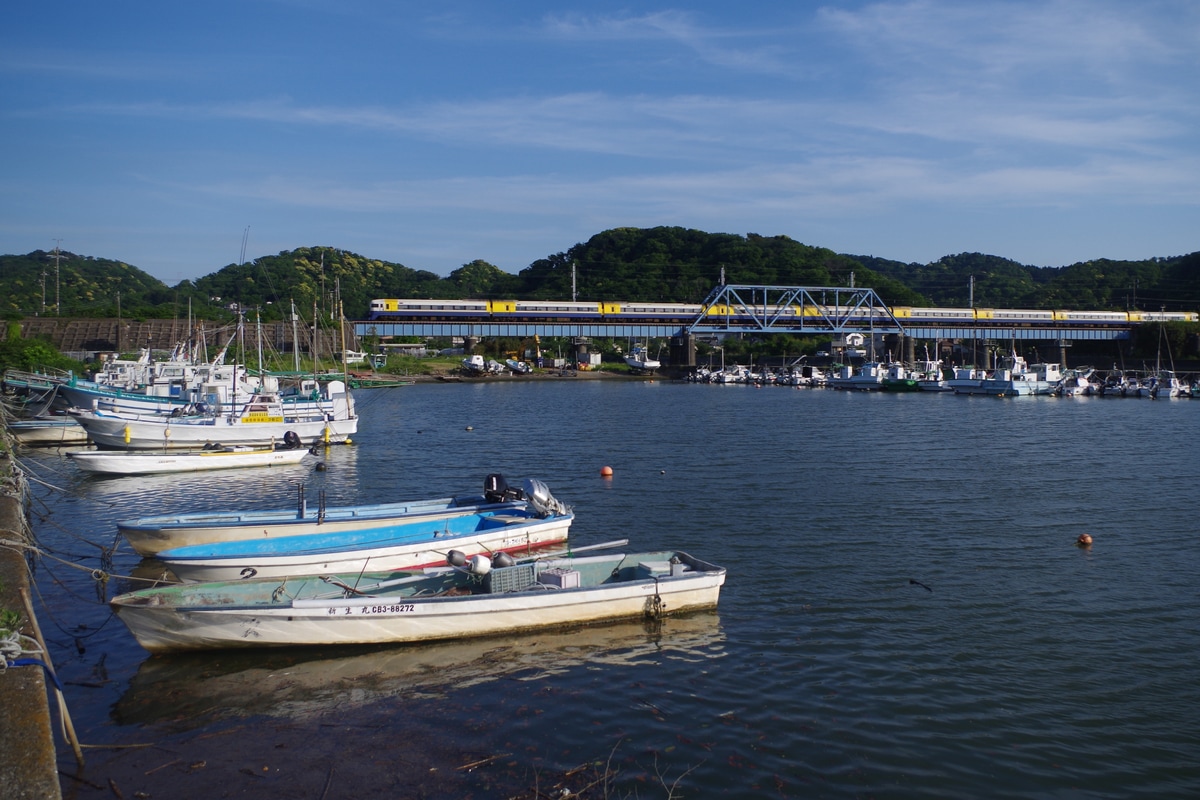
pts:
[184, 137]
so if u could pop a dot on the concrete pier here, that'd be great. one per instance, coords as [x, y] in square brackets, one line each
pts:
[28, 767]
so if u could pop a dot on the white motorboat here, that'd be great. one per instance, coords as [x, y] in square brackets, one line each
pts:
[479, 598]
[639, 360]
[868, 377]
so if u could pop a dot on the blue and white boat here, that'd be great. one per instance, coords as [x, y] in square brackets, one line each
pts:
[402, 544]
[150, 535]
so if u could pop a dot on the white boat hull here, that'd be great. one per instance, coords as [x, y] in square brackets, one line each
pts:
[152, 463]
[212, 621]
[44, 433]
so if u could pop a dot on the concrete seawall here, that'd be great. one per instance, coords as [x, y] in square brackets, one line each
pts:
[28, 767]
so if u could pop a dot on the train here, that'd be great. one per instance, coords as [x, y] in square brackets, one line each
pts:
[684, 314]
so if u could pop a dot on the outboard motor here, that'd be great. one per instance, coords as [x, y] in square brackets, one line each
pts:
[495, 487]
[497, 490]
[291, 440]
[544, 503]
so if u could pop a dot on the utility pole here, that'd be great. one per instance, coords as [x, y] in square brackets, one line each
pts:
[573, 297]
[57, 256]
[972, 300]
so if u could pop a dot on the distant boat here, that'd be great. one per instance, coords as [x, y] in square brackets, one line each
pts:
[639, 360]
[518, 367]
[116, 462]
[1013, 377]
[868, 377]
[479, 598]
[899, 379]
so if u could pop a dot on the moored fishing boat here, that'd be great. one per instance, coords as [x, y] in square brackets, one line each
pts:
[145, 462]
[264, 421]
[402, 544]
[47, 431]
[867, 378]
[149, 535]
[450, 603]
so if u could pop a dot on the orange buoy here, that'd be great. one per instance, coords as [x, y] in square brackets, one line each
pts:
[1084, 540]
[606, 472]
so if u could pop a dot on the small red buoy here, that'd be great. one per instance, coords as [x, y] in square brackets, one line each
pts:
[1084, 540]
[606, 472]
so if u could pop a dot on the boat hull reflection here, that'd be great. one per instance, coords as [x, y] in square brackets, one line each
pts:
[189, 690]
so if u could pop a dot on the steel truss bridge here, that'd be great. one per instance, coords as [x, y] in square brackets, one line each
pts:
[834, 311]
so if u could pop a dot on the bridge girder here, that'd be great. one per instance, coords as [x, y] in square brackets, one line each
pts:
[771, 309]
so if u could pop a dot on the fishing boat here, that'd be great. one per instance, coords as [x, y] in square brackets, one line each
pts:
[402, 544]
[149, 535]
[900, 378]
[867, 378]
[474, 597]
[264, 421]
[1013, 377]
[152, 462]
[47, 431]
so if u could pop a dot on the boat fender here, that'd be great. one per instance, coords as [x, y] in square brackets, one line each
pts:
[480, 565]
[456, 558]
[502, 560]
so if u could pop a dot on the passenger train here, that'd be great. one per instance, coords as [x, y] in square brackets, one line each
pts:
[684, 314]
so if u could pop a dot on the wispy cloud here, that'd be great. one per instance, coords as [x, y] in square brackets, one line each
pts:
[763, 50]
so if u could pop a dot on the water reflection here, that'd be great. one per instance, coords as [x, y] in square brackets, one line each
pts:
[189, 691]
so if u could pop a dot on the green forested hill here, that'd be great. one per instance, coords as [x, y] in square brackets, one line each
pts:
[631, 264]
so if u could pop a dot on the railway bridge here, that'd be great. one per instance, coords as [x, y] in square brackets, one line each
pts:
[732, 310]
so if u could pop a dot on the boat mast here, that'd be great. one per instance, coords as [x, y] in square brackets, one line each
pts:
[295, 339]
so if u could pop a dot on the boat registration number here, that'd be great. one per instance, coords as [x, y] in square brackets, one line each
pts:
[394, 608]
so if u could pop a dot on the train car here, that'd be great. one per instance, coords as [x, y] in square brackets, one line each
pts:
[1165, 316]
[1091, 317]
[913, 314]
[558, 310]
[386, 309]
[682, 313]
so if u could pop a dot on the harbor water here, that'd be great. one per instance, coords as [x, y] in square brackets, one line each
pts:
[906, 612]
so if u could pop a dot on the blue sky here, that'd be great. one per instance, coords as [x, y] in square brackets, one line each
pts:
[433, 134]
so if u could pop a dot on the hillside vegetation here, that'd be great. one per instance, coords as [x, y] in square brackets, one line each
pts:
[667, 264]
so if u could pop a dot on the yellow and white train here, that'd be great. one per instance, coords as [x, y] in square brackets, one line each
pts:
[684, 314]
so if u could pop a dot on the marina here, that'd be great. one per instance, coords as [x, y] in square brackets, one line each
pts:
[894, 621]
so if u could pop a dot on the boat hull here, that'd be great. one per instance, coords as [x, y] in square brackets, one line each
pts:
[269, 613]
[153, 463]
[47, 433]
[409, 545]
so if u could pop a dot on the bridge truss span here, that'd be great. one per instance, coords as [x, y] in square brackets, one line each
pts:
[733, 308]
